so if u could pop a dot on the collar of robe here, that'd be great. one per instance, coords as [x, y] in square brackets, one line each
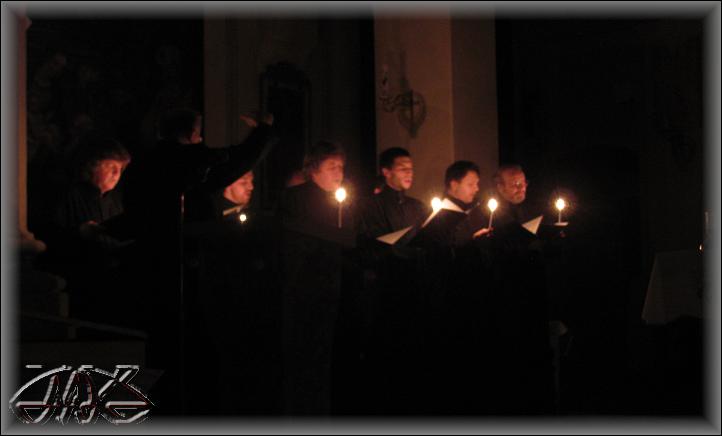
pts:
[94, 190]
[463, 205]
[232, 210]
[397, 196]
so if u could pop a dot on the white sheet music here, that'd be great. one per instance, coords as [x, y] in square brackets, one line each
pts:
[445, 205]
[533, 225]
[392, 238]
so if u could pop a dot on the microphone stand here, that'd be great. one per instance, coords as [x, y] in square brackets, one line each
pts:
[181, 295]
[182, 314]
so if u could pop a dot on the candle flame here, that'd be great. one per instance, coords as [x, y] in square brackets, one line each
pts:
[436, 204]
[242, 217]
[561, 204]
[340, 195]
[492, 204]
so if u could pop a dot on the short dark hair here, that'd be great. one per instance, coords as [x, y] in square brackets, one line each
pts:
[458, 171]
[94, 148]
[515, 168]
[319, 153]
[177, 123]
[387, 157]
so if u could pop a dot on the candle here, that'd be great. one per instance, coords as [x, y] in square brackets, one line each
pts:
[340, 197]
[436, 204]
[560, 204]
[492, 205]
[242, 218]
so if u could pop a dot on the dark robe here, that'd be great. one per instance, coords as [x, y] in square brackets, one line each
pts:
[90, 262]
[450, 229]
[84, 203]
[377, 329]
[234, 311]
[389, 211]
[447, 281]
[313, 262]
[158, 184]
[211, 207]
[520, 374]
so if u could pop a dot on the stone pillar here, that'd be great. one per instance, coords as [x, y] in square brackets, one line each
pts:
[17, 134]
[436, 94]
[474, 83]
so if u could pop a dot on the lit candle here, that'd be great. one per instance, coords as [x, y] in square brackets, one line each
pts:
[492, 205]
[436, 204]
[560, 204]
[242, 218]
[340, 197]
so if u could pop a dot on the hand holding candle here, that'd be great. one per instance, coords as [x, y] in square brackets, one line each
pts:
[492, 205]
[340, 197]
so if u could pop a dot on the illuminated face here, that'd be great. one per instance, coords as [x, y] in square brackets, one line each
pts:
[513, 186]
[329, 174]
[401, 175]
[240, 191]
[466, 188]
[106, 174]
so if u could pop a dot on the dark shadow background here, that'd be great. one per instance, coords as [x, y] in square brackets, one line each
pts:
[609, 113]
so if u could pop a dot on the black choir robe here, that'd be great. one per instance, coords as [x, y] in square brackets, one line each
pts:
[404, 368]
[389, 211]
[381, 332]
[233, 291]
[90, 261]
[313, 252]
[456, 277]
[521, 370]
[84, 203]
[158, 188]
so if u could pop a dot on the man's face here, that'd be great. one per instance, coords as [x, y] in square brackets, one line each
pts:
[106, 174]
[466, 188]
[401, 175]
[240, 191]
[195, 136]
[513, 186]
[329, 174]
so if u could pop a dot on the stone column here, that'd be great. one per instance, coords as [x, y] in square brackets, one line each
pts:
[17, 132]
[476, 122]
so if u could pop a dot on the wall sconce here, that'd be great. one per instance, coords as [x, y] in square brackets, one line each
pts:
[410, 105]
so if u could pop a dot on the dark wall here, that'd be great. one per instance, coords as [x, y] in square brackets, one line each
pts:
[610, 113]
